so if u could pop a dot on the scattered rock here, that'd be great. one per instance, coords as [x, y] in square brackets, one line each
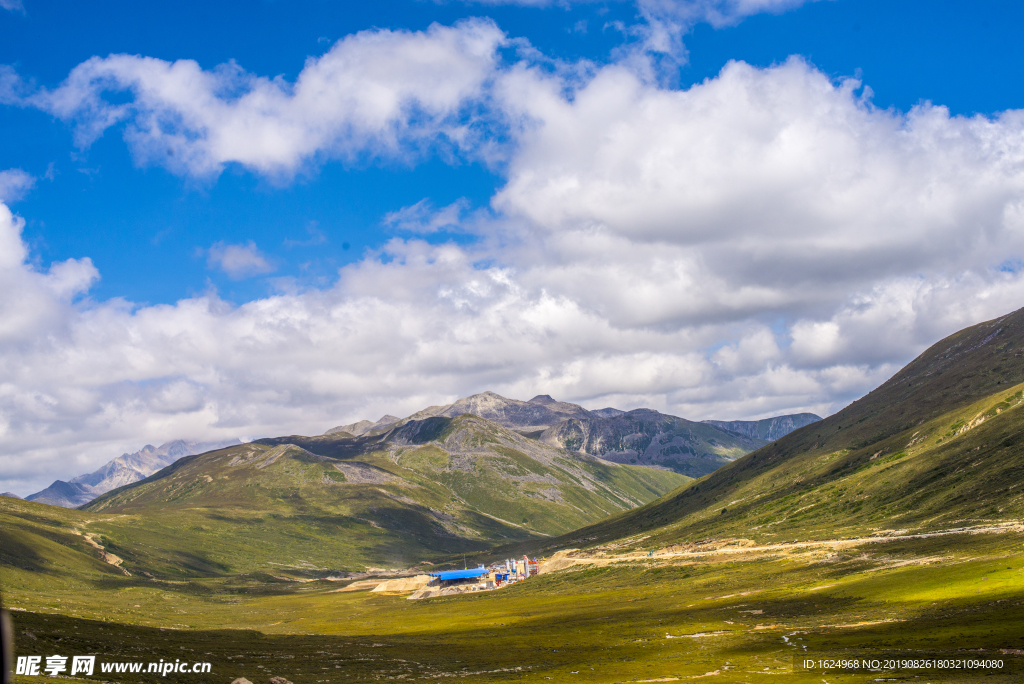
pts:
[279, 680]
[241, 680]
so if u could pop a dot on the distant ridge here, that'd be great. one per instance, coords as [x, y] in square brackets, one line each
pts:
[121, 471]
[363, 426]
[647, 437]
[607, 412]
[769, 429]
[535, 415]
[11, 494]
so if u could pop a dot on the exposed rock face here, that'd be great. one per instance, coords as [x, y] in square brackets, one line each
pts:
[607, 412]
[641, 437]
[769, 428]
[539, 413]
[363, 426]
[66, 494]
[123, 470]
[646, 437]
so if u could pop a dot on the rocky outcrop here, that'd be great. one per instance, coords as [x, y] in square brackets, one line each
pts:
[539, 413]
[363, 426]
[769, 429]
[647, 437]
[532, 416]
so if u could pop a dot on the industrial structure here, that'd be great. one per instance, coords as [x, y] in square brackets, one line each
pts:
[480, 578]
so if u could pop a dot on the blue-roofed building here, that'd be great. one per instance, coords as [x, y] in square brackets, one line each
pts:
[450, 577]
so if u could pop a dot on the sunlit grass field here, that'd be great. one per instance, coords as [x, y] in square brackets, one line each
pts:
[735, 618]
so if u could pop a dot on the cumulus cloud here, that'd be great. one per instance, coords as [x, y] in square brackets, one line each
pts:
[238, 261]
[15, 184]
[762, 189]
[377, 93]
[764, 242]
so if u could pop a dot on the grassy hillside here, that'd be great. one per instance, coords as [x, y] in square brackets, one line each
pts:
[940, 444]
[330, 503]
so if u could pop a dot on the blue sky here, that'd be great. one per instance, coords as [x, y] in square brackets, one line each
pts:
[966, 58]
[587, 199]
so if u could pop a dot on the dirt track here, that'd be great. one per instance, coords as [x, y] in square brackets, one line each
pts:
[564, 559]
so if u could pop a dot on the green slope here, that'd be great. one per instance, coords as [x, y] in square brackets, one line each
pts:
[941, 444]
[429, 488]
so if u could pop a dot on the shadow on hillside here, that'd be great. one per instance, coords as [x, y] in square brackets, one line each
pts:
[15, 553]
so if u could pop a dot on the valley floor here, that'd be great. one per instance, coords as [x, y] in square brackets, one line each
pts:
[731, 614]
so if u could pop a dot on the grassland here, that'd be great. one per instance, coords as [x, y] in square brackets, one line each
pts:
[736, 617]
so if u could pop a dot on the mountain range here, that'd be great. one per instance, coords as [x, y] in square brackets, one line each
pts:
[410, 492]
[121, 471]
[480, 471]
[641, 437]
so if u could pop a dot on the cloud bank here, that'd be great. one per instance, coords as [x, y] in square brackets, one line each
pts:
[767, 241]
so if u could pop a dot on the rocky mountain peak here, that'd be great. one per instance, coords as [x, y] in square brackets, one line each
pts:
[123, 470]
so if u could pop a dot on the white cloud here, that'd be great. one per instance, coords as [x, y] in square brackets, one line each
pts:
[718, 13]
[12, 5]
[238, 261]
[763, 242]
[15, 184]
[665, 22]
[377, 93]
[423, 218]
[685, 14]
[763, 189]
